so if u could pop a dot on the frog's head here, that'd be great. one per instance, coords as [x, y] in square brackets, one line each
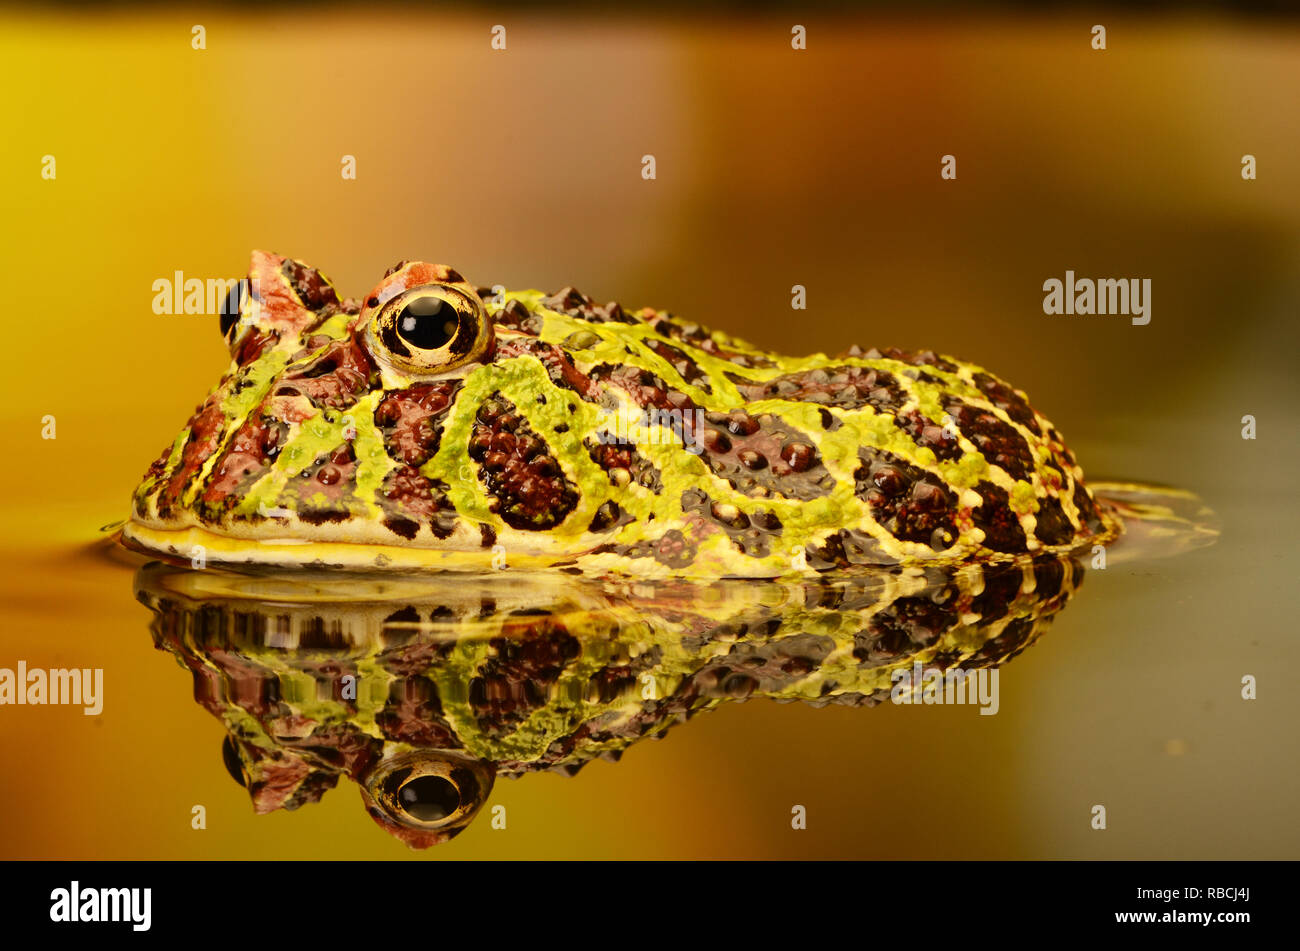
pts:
[421, 797]
[352, 431]
[422, 322]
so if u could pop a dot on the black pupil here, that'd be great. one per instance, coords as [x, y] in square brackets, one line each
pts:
[427, 323]
[430, 798]
[230, 308]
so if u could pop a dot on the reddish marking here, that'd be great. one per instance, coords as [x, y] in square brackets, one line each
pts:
[415, 717]
[845, 387]
[252, 345]
[279, 781]
[524, 479]
[206, 426]
[645, 388]
[411, 494]
[415, 274]
[559, 365]
[291, 409]
[411, 420]
[335, 379]
[250, 451]
[334, 478]
[278, 310]
[929, 435]
[614, 455]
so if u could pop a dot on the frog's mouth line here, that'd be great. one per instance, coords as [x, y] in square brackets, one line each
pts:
[187, 544]
[1157, 521]
[192, 544]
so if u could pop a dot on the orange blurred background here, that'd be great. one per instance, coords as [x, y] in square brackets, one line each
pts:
[774, 168]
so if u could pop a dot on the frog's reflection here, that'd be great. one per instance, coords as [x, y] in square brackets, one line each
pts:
[423, 690]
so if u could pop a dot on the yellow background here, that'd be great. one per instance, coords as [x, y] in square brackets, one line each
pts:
[775, 168]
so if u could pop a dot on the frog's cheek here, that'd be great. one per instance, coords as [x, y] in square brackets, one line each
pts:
[427, 796]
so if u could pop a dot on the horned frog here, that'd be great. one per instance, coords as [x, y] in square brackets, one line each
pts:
[436, 424]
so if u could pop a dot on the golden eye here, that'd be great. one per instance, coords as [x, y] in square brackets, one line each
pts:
[430, 790]
[430, 329]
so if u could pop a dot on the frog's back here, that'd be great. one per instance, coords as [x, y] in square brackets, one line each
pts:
[871, 457]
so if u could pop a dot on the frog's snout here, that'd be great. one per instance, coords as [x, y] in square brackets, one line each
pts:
[428, 796]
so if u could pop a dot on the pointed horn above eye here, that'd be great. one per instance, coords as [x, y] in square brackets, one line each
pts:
[285, 293]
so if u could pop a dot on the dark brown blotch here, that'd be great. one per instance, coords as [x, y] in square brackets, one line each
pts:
[1053, 525]
[910, 503]
[523, 479]
[993, 516]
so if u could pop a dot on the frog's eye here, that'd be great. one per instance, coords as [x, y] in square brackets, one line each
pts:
[429, 329]
[430, 791]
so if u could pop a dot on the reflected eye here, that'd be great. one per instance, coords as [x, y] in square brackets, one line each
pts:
[429, 798]
[429, 329]
[430, 790]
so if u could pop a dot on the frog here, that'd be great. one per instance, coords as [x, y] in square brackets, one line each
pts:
[425, 694]
[439, 424]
